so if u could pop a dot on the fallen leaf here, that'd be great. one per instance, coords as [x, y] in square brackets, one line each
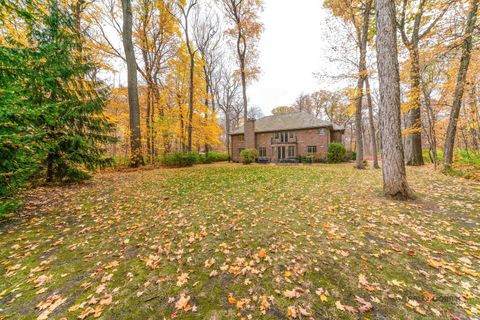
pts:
[182, 302]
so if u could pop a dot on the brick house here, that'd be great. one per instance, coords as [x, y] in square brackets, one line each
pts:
[285, 136]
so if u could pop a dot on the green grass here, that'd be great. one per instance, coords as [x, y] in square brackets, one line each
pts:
[320, 226]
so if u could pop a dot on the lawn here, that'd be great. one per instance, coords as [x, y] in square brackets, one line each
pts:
[227, 241]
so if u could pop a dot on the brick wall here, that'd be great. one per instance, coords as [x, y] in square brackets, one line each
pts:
[305, 138]
[250, 136]
[236, 144]
[337, 137]
[312, 137]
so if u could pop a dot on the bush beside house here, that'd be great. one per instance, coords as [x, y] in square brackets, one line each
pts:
[336, 153]
[248, 155]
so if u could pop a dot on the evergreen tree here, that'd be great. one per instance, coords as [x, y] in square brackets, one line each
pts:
[51, 108]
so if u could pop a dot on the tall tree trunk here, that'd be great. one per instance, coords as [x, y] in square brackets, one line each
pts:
[460, 86]
[136, 158]
[372, 124]
[362, 38]
[473, 116]
[245, 103]
[241, 58]
[190, 101]
[432, 139]
[413, 143]
[207, 94]
[227, 128]
[352, 146]
[394, 175]
[148, 124]
[152, 124]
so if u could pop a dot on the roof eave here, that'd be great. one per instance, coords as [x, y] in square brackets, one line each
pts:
[289, 129]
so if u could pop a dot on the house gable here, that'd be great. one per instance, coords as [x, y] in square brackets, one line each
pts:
[287, 136]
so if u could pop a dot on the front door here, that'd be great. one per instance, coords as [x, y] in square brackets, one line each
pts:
[281, 153]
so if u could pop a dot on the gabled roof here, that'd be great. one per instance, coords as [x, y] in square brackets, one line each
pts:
[289, 121]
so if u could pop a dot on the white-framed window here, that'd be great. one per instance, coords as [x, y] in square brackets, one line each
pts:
[312, 149]
[262, 152]
[291, 151]
[322, 131]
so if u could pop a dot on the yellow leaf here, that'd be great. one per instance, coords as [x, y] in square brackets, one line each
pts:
[231, 299]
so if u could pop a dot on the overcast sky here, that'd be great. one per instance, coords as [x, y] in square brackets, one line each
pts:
[291, 50]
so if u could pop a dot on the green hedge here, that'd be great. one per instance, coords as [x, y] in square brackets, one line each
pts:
[180, 159]
[187, 159]
[336, 153]
[249, 155]
[213, 156]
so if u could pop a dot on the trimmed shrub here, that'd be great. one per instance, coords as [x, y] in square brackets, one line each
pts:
[336, 153]
[180, 159]
[213, 156]
[216, 157]
[202, 158]
[319, 158]
[248, 155]
[306, 159]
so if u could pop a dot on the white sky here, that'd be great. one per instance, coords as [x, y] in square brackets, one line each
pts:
[291, 50]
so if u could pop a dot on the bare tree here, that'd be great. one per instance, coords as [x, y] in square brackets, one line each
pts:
[135, 133]
[303, 103]
[228, 101]
[394, 174]
[246, 30]
[255, 112]
[467, 45]
[183, 17]
[208, 40]
[320, 99]
[207, 34]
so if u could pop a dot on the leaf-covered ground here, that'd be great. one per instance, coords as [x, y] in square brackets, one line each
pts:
[229, 241]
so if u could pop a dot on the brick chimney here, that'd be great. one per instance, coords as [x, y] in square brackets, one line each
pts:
[250, 134]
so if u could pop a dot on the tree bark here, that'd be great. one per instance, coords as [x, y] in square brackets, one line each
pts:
[432, 139]
[474, 114]
[227, 129]
[460, 86]
[362, 38]
[413, 143]
[372, 124]
[244, 94]
[207, 99]
[393, 167]
[136, 158]
[190, 101]
[148, 124]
